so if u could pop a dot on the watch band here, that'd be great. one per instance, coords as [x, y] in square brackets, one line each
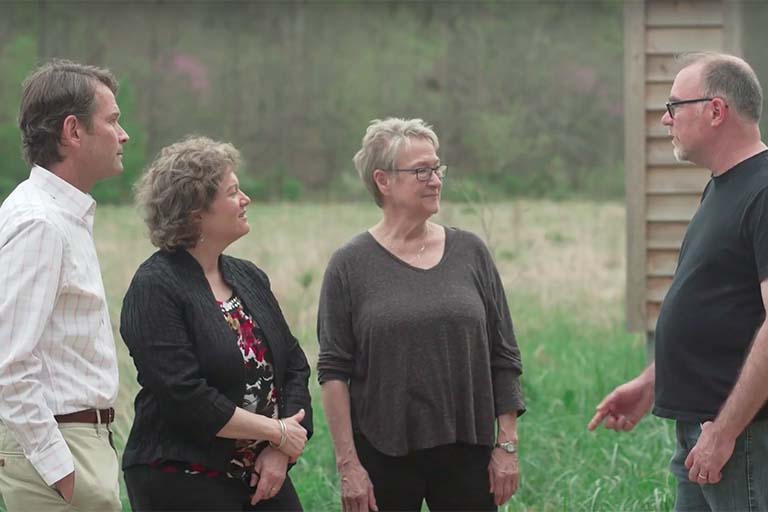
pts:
[507, 446]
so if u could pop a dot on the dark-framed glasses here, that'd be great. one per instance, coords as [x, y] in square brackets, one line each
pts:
[425, 173]
[672, 105]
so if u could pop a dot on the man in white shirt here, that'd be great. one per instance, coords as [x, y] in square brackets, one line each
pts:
[58, 365]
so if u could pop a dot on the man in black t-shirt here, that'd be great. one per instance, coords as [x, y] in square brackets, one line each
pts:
[711, 368]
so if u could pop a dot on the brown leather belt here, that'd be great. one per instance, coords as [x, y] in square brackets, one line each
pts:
[87, 416]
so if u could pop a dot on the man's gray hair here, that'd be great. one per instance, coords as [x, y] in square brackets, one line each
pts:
[731, 78]
[381, 145]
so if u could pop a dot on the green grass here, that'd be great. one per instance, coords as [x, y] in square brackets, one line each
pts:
[563, 268]
[570, 363]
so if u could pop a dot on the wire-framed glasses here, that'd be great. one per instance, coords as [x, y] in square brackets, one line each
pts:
[425, 173]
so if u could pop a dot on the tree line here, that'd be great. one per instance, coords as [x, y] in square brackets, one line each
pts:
[526, 97]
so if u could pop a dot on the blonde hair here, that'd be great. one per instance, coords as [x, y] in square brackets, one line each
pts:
[381, 145]
[180, 183]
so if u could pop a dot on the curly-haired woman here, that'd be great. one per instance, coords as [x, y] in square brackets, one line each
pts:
[224, 406]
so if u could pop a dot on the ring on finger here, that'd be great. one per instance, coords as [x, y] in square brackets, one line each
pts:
[702, 477]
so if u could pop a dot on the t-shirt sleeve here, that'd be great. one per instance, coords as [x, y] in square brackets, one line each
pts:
[334, 327]
[757, 223]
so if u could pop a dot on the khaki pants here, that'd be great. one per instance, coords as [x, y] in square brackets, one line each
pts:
[96, 473]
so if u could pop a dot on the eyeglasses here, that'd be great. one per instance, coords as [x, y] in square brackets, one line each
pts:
[672, 105]
[425, 173]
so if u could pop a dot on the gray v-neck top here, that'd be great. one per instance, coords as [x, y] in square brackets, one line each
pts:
[430, 355]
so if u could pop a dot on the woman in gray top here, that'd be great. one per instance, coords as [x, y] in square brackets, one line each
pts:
[418, 357]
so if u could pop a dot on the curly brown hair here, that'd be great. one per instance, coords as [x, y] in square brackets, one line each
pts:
[181, 183]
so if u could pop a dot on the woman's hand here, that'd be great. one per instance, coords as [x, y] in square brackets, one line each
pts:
[295, 437]
[503, 475]
[269, 472]
[356, 488]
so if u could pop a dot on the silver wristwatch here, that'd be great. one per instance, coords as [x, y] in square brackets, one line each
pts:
[508, 446]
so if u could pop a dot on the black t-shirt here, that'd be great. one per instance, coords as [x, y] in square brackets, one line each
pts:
[714, 305]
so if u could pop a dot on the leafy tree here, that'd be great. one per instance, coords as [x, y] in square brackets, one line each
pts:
[14, 66]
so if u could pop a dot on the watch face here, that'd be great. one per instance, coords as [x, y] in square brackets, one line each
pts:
[508, 447]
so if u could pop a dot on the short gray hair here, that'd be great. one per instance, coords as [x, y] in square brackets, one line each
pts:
[381, 145]
[730, 77]
[180, 183]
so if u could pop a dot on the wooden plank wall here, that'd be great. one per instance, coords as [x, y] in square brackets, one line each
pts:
[661, 193]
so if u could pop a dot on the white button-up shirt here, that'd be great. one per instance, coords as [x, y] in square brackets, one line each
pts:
[57, 351]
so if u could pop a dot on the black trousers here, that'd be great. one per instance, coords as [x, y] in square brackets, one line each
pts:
[448, 477]
[150, 489]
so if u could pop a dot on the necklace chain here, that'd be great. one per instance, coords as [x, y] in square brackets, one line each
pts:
[391, 246]
[423, 244]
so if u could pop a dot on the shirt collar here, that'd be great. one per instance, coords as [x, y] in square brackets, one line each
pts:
[63, 193]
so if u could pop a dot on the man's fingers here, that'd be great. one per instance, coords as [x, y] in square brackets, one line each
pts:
[624, 424]
[694, 472]
[597, 419]
[690, 458]
[607, 402]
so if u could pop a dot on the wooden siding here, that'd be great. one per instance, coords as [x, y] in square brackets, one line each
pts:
[634, 160]
[662, 193]
[677, 180]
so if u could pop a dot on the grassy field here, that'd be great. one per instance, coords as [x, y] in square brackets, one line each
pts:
[563, 267]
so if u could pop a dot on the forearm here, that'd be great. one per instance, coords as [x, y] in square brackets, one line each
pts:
[507, 427]
[648, 376]
[750, 392]
[337, 411]
[247, 425]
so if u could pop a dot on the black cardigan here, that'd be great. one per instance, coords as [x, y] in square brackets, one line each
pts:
[190, 369]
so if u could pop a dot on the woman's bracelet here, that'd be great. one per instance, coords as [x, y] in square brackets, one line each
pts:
[283, 435]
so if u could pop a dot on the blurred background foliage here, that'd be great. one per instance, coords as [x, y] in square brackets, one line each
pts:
[525, 96]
